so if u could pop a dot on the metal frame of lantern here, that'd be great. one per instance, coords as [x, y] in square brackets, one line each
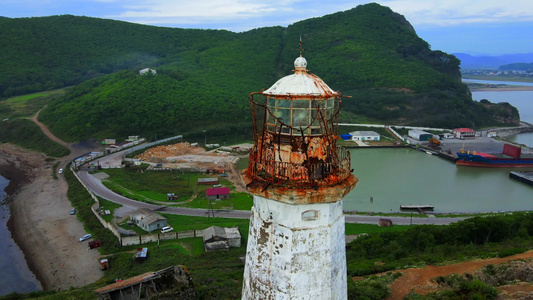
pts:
[314, 158]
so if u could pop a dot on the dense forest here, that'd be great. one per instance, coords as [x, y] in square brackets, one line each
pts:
[204, 76]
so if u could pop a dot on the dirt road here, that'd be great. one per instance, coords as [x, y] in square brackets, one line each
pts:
[419, 280]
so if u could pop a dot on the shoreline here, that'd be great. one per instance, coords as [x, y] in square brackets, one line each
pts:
[40, 222]
[19, 177]
[507, 88]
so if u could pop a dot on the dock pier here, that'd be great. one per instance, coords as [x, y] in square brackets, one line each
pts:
[524, 176]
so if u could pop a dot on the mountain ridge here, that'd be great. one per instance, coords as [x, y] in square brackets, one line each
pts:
[205, 76]
[469, 61]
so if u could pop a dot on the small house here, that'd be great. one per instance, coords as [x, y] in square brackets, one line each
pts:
[219, 238]
[419, 135]
[464, 133]
[147, 71]
[215, 239]
[217, 193]
[365, 136]
[148, 220]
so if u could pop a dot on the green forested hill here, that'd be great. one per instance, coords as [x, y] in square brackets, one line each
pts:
[205, 76]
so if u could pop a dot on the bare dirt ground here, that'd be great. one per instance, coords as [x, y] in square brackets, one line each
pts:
[40, 220]
[183, 155]
[420, 280]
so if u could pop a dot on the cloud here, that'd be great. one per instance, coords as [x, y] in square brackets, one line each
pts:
[200, 10]
[456, 12]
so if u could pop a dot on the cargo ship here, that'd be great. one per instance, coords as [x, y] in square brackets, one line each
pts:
[511, 157]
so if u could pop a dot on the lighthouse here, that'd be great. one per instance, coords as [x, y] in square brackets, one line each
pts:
[298, 177]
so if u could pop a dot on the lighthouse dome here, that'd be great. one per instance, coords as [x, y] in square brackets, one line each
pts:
[301, 83]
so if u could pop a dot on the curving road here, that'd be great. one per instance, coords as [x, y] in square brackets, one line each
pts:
[96, 186]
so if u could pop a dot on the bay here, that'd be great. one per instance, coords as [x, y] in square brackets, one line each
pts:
[396, 176]
[15, 275]
[522, 100]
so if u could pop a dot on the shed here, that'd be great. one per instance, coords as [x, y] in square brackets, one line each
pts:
[447, 135]
[217, 193]
[234, 236]
[215, 239]
[148, 220]
[208, 181]
[365, 136]
[221, 238]
[419, 135]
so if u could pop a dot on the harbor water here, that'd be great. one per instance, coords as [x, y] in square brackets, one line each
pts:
[398, 176]
[15, 275]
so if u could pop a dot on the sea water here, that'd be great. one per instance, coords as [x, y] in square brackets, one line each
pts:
[15, 275]
[522, 100]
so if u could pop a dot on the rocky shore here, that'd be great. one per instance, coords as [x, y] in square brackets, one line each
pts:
[40, 222]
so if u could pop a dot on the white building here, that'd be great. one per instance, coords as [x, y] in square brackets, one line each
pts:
[365, 136]
[146, 70]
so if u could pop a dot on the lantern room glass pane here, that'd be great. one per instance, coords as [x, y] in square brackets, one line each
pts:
[300, 103]
[283, 103]
[300, 117]
[284, 115]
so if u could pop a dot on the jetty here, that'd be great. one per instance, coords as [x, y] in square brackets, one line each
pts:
[417, 206]
[523, 176]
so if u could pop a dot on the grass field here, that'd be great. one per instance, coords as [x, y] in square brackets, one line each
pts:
[153, 187]
[27, 105]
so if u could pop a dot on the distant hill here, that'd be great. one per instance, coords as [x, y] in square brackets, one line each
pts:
[204, 77]
[492, 62]
[517, 66]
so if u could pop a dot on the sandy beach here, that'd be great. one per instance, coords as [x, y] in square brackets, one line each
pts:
[40, 221]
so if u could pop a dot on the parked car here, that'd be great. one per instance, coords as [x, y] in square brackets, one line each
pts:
[72, 211]
[166, 229]
[85, 237]
[95, 244]
[60, 171]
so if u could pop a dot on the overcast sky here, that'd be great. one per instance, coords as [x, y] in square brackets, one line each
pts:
[470, 26]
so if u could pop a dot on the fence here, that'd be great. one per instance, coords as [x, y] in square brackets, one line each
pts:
[127, 145]
[150, 238]
[129, 151]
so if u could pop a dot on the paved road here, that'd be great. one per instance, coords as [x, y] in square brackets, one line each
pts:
[96, 186]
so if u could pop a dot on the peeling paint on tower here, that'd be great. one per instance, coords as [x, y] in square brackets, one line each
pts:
[298, 176]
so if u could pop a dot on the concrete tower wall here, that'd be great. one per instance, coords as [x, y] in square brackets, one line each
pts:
[295, 251]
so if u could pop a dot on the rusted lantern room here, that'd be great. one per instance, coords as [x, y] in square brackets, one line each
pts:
[295, 134]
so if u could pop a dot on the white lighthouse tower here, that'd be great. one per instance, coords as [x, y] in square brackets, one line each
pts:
[298, 176]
